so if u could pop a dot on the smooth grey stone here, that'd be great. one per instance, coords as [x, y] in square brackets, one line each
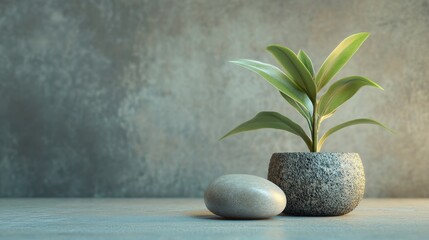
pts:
[319, 184]
[241, 196]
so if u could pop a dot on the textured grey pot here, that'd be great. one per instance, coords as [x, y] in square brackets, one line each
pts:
[318, 184]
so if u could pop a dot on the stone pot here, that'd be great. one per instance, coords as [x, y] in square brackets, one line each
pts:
[318, 184]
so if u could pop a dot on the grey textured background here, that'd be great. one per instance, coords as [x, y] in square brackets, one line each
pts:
[129, 98]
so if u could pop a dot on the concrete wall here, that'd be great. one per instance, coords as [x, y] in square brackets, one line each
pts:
[129, 98]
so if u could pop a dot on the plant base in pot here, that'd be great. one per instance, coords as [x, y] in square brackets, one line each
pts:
[318, 184]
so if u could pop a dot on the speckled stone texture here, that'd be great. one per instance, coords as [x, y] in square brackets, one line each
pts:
[319, 184]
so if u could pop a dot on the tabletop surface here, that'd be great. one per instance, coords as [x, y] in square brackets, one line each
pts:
[189, 219]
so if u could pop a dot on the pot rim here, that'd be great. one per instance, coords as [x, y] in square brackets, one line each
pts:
[315, 152]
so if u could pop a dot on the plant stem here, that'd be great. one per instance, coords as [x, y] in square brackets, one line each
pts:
[315, 128]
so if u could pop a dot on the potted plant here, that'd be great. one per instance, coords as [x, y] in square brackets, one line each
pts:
[315, 183]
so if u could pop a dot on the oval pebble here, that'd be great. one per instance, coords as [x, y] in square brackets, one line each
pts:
[242, 196]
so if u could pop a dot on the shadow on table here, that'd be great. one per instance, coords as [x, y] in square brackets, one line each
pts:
[206, 215]
[284, 215]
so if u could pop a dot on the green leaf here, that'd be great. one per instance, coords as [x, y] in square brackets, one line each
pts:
[299, 73]
[341, 91]
[339, 57]
[306, 113]
[276, 78]
[346, 124]
[271, 120]
[305, 59]
[324, 117]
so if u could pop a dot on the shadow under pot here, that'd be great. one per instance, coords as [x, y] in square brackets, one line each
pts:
[318, 184]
